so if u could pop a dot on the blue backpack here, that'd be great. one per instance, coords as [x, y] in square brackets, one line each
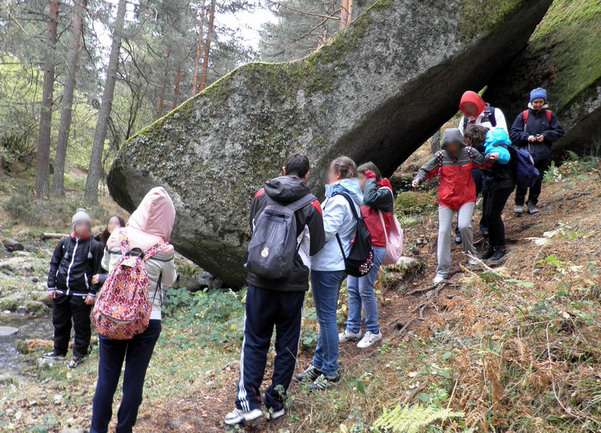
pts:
[526, 174]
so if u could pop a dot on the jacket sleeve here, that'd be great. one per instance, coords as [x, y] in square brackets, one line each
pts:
[555, 131]
[334, 216]
[106, 260]
[430, 169]
[97, 256]
[518, 136]
[169, 273]
[54, 264]
[315, 223]
[377, 198]
[480, 160]
[461, 122]
[501, 122]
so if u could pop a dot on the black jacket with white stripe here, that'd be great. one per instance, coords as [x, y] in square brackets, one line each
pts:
[73, 264]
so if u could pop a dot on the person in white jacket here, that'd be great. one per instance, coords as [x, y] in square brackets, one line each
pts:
[477, 112]
[328, 268]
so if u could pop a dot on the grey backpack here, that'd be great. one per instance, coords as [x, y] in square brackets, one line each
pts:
[274, 245]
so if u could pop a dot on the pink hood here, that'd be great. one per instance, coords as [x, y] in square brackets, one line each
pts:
[150, 223]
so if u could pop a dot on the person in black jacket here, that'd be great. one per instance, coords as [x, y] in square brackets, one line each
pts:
[536, 128]
[277, 303]
[75, 260]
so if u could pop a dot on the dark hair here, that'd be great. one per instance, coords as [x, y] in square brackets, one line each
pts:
[345, 166]
[104, 236]
[297, 165]
[475, 135]
[370, 166]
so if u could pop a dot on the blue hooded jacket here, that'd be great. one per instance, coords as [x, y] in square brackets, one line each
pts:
[338, 219]
[497, 141]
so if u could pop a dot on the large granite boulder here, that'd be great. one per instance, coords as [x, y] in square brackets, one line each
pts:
[374, 92]
[564, 56]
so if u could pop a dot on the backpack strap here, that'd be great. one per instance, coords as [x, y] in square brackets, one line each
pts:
[355, 215]
[301, 202]
[124, 241]
[162, 245]
[489, 113]
[549, 115]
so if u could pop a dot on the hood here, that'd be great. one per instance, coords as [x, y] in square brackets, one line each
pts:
[497, 137]
[155, 215]
[349, 186]
[475, 99]
[536, 111]
[452, 135]
[286, 189]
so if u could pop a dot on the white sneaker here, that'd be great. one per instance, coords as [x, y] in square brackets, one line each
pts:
[345, 336]
[439, 279]
[368, 339]
[472, 262]
[238, 416]
[519, 209]
[275, 414]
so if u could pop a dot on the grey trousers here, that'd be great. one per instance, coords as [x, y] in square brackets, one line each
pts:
[445, 223]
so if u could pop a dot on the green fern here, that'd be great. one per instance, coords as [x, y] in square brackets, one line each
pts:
[411, 419]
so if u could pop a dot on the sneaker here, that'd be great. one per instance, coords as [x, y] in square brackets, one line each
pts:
[532, 209]
[345, 336]
[488, 254]
[499, 256]
[368, 339]
[76, 362]
[458, 239]
[519, 209]
[324, 382]
[439, 279]
[472, 262]
[53, 355]
[309, 375]
[275, 414]
[238, 416]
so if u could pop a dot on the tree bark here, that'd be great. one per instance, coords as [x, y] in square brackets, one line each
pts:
[95, 168]
[161, 103]
[58, 179]
[42, 170]
[344, 13]
[349, 14]
[205, 63]
[178, 78]
[198, 48]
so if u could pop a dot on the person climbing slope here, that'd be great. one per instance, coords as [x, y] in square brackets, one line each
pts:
[456, 193]
[275, 297]
[536, 128]
[148, 231]
[377, 211]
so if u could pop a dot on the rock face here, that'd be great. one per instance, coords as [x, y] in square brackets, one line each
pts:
[564, 56]
[374, 92]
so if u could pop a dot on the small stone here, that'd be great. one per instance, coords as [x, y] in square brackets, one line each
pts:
[57, 399]
[12, 245]
[72, 430]
[7, 331]
[34, 279]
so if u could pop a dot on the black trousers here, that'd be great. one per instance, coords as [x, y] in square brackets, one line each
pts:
[494, 203]
[264, 310]
[136, 353]
[520, 193]
[71, 311]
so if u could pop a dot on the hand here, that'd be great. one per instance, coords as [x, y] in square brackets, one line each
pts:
[415, 183]
[540, 138]
[531, 138]
[90, 300]
[493, 156]
[52, 294]
[370, 174]
[95, 279]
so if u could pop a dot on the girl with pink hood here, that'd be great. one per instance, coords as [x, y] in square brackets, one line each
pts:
[151, 223]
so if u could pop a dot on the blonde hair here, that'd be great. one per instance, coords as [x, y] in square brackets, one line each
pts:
[345, 167]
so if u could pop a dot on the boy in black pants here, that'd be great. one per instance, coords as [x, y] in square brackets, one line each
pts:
[75, 260]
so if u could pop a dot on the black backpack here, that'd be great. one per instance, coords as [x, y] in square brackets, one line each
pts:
[361, 259]
[274, 244]
[489, 114]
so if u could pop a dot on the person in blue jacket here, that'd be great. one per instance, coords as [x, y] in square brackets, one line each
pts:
[536, 128]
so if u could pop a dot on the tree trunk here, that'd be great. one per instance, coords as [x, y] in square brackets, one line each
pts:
[161, 103]
[178, 78]
[95, 168]
[199, 48]
[42, 169]
[349, 14]
[205, 63]
[58, 180]
[344, 8]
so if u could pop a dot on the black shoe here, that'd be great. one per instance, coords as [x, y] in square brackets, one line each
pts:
[499, 256]
[324, 382]
[76, 362]
[484, 231]
[532, 209]
[53, 355]
[488, 254]
[309, 375]
[458, 239]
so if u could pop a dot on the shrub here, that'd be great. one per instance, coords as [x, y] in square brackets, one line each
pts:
[415, 202]
[17, 152]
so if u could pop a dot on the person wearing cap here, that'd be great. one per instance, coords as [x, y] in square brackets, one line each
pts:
[536, 128]
[75, 260]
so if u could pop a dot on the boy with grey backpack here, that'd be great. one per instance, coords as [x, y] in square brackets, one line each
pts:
[287, 228]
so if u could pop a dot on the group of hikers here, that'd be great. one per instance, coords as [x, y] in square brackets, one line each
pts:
[117, 277]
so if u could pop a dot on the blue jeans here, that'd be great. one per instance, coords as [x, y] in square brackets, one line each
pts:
[361, 291]
[136, 353]
[326, 288]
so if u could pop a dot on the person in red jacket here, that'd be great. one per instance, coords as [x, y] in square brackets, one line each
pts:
[456, 193]
[377, 210]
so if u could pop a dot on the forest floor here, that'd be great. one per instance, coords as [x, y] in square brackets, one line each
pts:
[512, 349]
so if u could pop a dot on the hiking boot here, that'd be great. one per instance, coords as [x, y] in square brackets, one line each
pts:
[238, 416]
[76, 362]
[324, 382]
[484, 231]
[273, 414]
[345, 336]
[488, 254]
[499, 256]
[532, 209]
[368, 339]
[439, 279]
[519, 209]
[309, 375]
[53, 355]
